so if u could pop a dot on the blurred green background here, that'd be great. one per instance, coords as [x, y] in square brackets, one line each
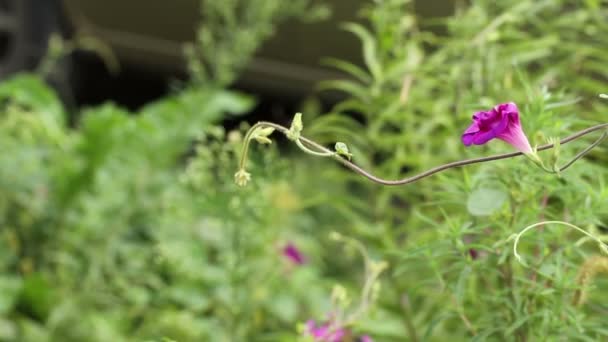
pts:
[120, 219]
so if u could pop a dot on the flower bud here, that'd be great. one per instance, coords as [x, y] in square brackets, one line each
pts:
[261, 135]
[342, 149]
[296, 127]
[335, 236]
[340, 295]
[555, 154]
[242, 177]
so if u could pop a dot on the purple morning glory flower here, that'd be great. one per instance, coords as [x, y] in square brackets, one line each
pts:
[365, 338]
[501, 122]
[293, 254]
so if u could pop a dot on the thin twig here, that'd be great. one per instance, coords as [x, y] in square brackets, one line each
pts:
[585, 151]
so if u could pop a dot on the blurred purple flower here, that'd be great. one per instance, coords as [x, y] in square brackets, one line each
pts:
[473, 253]
[501, 122]
[293, 254]
[328, 333]
[324, 332]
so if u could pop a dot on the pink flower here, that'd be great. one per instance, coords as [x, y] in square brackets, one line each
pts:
[501, 122]
[324, 332]
[293, 254]
[328, 333]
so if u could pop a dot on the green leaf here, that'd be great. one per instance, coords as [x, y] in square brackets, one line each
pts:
[348, 68]
[485, 201]
[30, 90]
[232, 102]
[369, 48]
[347, 87]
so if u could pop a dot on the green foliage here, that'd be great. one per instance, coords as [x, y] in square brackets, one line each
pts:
[109, 232]
[233, 30]
[130, 227]
[449, 234]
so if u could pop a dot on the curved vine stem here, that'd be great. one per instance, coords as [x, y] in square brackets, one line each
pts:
[314, 153]
[516, 237]
[320, 150]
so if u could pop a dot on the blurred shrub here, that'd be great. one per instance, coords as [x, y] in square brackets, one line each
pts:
[232, 31]
[106, 235]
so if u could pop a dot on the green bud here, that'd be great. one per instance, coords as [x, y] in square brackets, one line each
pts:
[340, 296]
[296, 123]
[264, 132]
[234, 137]
[296, 127]
[263, 140]
[539, 136]
[261, 135]
[301, 328]
[534, 157]
[242, 177]
[342, 149]
[335, 236]
[555, 154]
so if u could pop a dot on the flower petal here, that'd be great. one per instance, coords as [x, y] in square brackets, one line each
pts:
[508, 108]
[483, 137]
[293, 254]
[469, 135]
[324, 332]
[516, 138]
[498, 127]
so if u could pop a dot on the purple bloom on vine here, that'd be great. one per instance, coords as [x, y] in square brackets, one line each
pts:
[293, 254]
[324, 332]
[501, 122]
[328, 333]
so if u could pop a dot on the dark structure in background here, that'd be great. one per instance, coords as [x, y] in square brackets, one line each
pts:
[148, 39]
[151, 34]
[25, 26]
